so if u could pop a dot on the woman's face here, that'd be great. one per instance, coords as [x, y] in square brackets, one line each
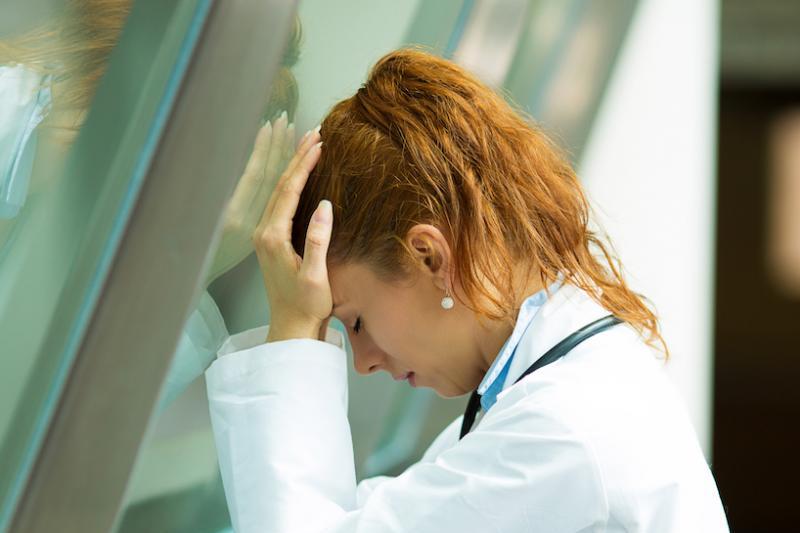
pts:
[403, 330]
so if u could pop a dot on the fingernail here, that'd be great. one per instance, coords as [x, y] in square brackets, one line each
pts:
[324, 212]
[319, 127]
[283, 115]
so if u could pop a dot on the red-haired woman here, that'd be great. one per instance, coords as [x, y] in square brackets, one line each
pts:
[452, 239]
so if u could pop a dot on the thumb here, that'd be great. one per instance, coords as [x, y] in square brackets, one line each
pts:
[318, 237]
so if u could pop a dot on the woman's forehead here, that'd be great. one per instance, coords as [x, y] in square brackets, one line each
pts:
[347, 283]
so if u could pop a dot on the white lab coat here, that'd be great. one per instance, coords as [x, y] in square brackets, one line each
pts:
[597, 441]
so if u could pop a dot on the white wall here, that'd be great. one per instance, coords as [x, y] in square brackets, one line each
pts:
[650, 169]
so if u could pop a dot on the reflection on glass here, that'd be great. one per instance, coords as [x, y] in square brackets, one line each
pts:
[72, 144]
[48, 76]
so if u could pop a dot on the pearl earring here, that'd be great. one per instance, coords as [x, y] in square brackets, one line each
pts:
[447, 301]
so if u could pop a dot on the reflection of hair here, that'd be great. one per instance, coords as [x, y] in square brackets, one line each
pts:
[75, 46]
[284, 95]
[423, 141]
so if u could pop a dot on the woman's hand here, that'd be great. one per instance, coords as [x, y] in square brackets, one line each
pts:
[271, 152]
[297, 288]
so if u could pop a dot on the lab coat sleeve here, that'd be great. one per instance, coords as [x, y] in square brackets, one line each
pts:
[278, 412]
[279, 415]
[201, 338]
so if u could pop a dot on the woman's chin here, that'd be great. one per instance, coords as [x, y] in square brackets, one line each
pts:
[450, 392]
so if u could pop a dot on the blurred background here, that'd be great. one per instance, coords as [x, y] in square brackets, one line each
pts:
[126, 125]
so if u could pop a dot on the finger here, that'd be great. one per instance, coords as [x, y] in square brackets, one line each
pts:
[307, 134]
[249, 181]
[302, 153]
[288, 146]
[278, 137]
[318, 237]
[310, 138]
[287, 195]
[271, 171]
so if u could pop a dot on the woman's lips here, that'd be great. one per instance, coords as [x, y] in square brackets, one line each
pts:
[407, 376]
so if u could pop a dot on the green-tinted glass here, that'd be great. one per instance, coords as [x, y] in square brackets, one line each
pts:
[84, 164]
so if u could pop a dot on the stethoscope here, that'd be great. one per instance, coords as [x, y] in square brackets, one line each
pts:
[553, 354]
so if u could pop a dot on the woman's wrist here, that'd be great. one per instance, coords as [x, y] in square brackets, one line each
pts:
[297, 330]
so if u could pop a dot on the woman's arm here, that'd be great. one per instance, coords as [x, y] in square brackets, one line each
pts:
[279, 413]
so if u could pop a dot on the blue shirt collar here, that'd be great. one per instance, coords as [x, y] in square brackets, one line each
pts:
[492, 383]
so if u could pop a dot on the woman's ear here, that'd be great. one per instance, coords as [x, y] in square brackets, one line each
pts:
[431, 248]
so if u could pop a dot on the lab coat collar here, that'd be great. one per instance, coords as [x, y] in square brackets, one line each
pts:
[527, 311]
[495, 377]
[567, 310]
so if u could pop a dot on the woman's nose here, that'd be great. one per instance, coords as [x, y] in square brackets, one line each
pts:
[367, 358]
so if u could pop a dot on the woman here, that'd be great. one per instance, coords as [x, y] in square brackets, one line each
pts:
[451, 238]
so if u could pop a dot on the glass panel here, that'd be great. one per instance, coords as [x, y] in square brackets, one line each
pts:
[74, 144]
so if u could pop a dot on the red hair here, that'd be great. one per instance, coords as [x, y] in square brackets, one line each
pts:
[423, 141]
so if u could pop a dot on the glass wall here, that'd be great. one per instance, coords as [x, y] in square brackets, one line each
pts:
[121, 137]
[72, 150]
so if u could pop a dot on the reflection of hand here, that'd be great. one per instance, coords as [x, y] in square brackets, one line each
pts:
[298, 289]
[271, 151]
